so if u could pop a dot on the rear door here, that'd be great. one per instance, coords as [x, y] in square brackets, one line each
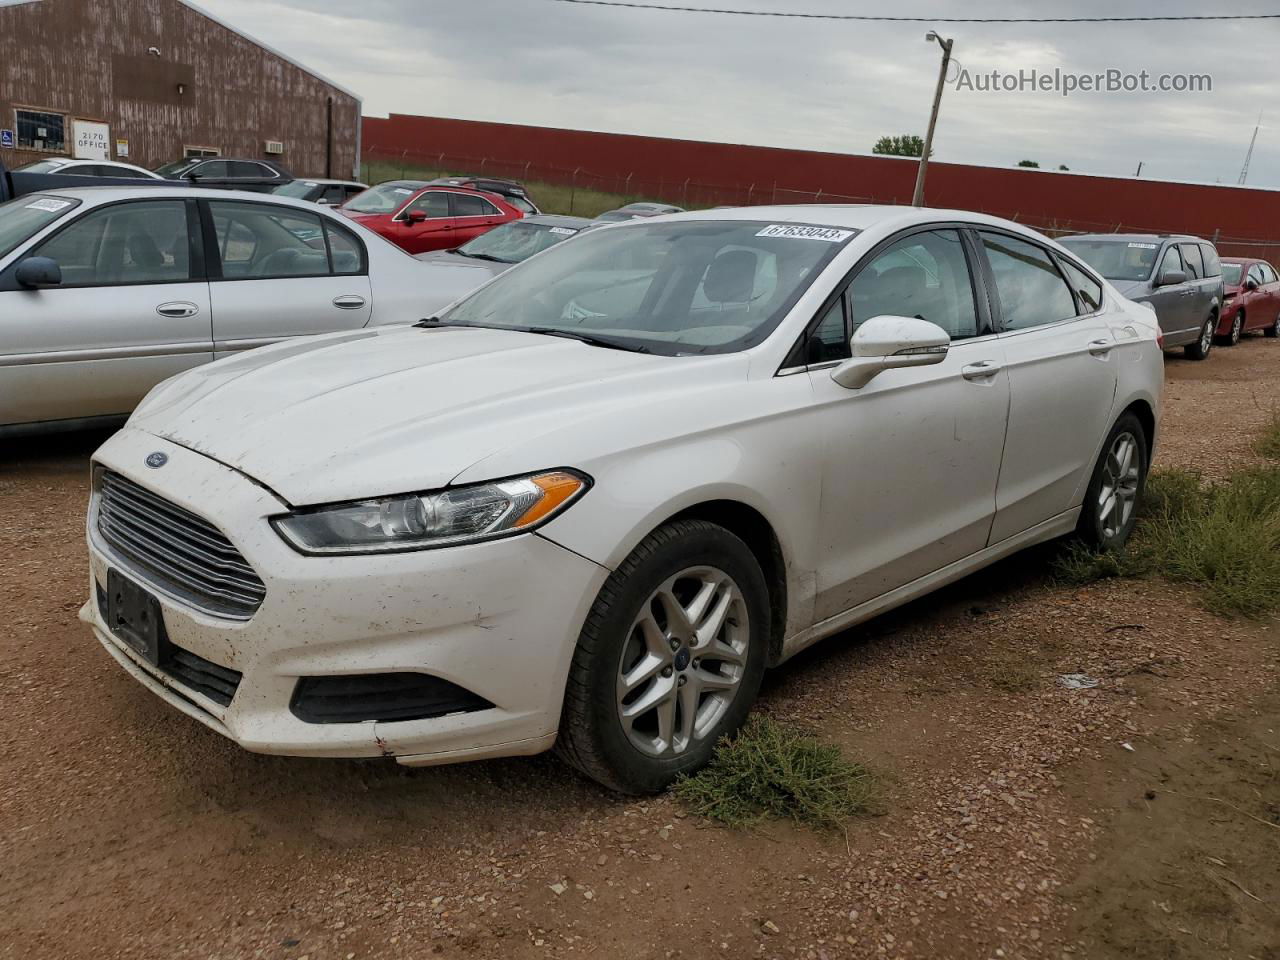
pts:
[472, 216]
[279, 272]
[132, 310]
[1061, 359]
[1271, 313]
[1204, 289]
[1173, 300]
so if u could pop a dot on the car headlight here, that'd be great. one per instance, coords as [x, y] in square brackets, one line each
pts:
[441, 519]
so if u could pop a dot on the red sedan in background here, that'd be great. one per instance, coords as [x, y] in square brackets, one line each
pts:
[1251, 299]
[419, 217]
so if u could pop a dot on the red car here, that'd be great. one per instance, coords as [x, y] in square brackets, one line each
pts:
[419, 218]
[1251, 299]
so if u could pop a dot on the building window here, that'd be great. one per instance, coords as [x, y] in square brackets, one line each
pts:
[201, 152]
[38, 130]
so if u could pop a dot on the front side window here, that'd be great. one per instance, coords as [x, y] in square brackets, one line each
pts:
[263, 242]
[144, 241]
[22, 219]
[1030, 288]
[925, 275]
[1116, 259]
[1088, 290]
[212, 170]
[674, 288]
[1172, 261]
[177, 168]
[434, 204]
[40, 130]
[1195, 263]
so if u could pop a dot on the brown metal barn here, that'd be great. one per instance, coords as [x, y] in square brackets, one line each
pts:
[149, 81]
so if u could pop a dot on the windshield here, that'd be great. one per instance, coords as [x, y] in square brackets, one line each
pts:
[170, 169]
[516, 241]
[1231, 273]
[298, 189]
[1116, 259]
[697, 286]
[521, 204]
[384, 198]
[24, 218]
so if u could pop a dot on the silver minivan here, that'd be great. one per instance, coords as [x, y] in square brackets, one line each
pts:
[1179, 275]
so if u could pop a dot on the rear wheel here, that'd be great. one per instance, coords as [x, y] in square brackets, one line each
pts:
[669, 659]
[1119, 477]
[1204, 343]
[1273, 331]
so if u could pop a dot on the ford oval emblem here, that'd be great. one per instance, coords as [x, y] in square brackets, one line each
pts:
[156, 460]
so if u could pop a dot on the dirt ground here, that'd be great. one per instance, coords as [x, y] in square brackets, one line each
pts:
[1139, 819]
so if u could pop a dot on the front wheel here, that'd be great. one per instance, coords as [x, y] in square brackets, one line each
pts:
[669, 660]
[1273, 331]
[1204, 343]
[1119, 477]
[1237, 329]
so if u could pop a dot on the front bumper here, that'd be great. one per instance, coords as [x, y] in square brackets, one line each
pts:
[500, 619]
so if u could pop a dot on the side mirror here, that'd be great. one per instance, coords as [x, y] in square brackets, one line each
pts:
[891, 343]
[1170, 277]
[1251, 284]
[36, 272]
[415, 217]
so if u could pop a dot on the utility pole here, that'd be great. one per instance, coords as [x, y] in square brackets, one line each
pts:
[1139, 173]
[922, 172]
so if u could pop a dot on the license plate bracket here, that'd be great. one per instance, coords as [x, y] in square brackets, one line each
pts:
[134, 616]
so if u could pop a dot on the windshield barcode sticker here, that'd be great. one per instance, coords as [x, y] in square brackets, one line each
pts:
[402, 191]
[48, 204]
[796, 232]
[1144, 246]
[562, 231]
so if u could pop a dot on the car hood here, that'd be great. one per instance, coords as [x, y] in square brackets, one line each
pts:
[393, 410]
[1132, 289]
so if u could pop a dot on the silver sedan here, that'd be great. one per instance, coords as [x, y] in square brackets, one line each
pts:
[105, 292]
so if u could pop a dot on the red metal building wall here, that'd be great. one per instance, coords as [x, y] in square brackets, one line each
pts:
[1246, 221]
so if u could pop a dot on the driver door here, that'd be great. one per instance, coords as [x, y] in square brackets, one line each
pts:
[274, 276]
[913, 458]
[131, 311]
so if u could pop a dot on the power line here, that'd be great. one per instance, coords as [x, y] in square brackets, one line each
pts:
[670, 8]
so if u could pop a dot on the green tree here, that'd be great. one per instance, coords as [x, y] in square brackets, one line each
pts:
[1029, 163]
[906, 145]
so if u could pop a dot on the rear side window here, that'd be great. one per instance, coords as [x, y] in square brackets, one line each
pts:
[1088, 291]
[1031, 290]
[1194, 261]
[465, 205]
[345, 251]
[144, 241]
[1212, 265]
[1268, 273]
[264, 242]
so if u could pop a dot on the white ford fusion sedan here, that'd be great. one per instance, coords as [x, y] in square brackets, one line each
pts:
[592, 502]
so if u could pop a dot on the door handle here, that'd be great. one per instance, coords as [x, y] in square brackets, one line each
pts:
[177, 309]
[349, 302]
[1100, 348]
[982, 370]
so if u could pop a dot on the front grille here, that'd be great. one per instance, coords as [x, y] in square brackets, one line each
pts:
[203, 676]
[176, 551]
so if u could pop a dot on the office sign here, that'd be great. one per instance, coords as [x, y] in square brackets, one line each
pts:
[92, 140]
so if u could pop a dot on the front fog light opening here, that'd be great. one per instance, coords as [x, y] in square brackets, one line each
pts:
[380, 698]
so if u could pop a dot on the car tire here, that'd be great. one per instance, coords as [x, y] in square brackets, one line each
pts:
[1273, 331]
[632, 653]
[1199, 350]
[1117, 484]
[1237, 329]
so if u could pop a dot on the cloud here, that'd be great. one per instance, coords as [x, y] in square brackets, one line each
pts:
[807, 84]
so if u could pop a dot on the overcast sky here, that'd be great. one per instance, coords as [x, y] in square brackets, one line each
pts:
[806, 84]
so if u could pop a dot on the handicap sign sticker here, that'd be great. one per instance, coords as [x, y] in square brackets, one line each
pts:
[6, 138]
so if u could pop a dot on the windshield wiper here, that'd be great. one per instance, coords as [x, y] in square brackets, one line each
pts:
[587, 338]
[438, 322]
[482, 256]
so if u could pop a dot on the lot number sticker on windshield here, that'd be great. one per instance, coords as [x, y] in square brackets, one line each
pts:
[403, 191]
[563, 231]
[791, 231]
[1144, 246]
[49, 205]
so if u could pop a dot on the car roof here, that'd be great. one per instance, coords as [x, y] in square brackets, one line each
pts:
[327, 182]
[559, 220]
[168, 189]
[414, 184]
[1148, 237]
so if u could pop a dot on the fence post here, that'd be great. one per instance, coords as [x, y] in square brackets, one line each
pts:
[573, 188]
[750, 190]
[775, 191]
[684, 193]
[526, 170]
[627, 191]
[817, 197]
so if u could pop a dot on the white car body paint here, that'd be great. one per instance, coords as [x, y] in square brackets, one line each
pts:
[875, 495]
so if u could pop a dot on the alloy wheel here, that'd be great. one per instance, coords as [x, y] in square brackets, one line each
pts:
[1206, 337]
[1120, 480]
[1237, 327]
[683, 661]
